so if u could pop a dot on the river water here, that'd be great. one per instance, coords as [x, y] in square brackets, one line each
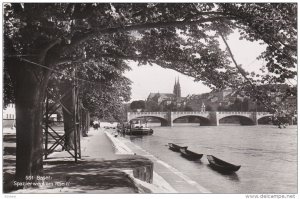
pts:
[268, 155]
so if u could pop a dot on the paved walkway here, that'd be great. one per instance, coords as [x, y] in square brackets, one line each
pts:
[97, 146]
[99, 171]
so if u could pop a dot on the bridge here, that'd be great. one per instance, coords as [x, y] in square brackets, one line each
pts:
[207, 118]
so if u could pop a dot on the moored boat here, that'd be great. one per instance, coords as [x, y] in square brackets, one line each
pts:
[175, 147]
[190, 154]
[139, 127]
[221, 165]
[140, 131]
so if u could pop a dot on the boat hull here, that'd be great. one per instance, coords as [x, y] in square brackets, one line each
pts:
[140, 132]
[190, 155]
[221, 165]
[175, 147]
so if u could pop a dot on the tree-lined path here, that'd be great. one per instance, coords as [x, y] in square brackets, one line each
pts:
[46, 43]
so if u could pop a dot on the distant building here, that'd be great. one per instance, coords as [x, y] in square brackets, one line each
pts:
[166, 101]
[211, 101]
[177, 89]
[9, 115]
[224, 100]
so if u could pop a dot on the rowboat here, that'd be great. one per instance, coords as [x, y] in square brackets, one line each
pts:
[190, 154]
[175, 147]
[221, 165]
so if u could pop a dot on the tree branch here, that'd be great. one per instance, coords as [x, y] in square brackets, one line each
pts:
[44, 52]
[207, 13]
[154, 60]
[241, 70]
[144, 26]
[116, 56]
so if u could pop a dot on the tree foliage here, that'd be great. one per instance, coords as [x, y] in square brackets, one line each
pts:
[139, 104]
[183, 37]
[97, 38]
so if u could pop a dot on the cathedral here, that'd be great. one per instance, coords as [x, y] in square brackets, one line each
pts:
[177, 89]
[162, 100]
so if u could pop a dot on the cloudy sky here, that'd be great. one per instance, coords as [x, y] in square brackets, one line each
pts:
[146, 79]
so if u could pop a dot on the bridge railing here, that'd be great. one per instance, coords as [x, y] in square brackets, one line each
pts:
[235, 112]
[190, 112]
[264, 113]
[147, 113]
[198, 112]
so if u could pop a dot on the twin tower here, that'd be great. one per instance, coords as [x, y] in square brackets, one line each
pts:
[177, 89]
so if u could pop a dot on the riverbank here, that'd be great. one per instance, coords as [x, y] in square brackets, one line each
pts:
[166, 177]
[109, 164]
[99, 170]
[159, 184]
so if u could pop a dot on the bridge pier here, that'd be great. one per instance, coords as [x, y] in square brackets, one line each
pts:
[165, 123]
[214, 118]
[254, 118]
[170, 118]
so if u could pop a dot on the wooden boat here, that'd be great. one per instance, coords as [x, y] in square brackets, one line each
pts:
[221, 165]
[190, 154]
[175, 147]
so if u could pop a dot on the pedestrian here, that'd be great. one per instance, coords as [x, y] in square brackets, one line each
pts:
[96, 125]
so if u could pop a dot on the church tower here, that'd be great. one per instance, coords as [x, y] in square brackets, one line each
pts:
[177, 89]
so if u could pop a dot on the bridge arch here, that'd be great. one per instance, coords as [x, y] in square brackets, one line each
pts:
[161, 116]
[203, 121]
[241, 119]
[163, 121]
[268, 119]
[264, 118]
[207, 117]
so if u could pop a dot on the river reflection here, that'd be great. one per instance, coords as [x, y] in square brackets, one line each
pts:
[135, 138]
[268, 156]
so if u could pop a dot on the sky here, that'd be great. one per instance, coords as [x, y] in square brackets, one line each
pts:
[146, 79]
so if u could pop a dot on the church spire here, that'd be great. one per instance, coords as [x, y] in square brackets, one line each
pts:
[177, 89]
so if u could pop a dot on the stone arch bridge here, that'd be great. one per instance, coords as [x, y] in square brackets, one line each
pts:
[211, 118]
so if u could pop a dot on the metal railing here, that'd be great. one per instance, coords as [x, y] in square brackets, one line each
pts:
[198, 112]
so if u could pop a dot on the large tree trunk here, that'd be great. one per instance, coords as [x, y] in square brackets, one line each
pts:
[68, 103]
[85, 121]
[30, 83]
[29, 97]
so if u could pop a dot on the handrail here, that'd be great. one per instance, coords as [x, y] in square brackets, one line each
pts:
[198, 112]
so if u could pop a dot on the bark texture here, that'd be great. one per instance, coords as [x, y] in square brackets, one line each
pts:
[29, 96]
[68, 110]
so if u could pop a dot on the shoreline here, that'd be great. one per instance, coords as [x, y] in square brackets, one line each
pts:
[186, 185]
[159, 185]
[165, 178]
